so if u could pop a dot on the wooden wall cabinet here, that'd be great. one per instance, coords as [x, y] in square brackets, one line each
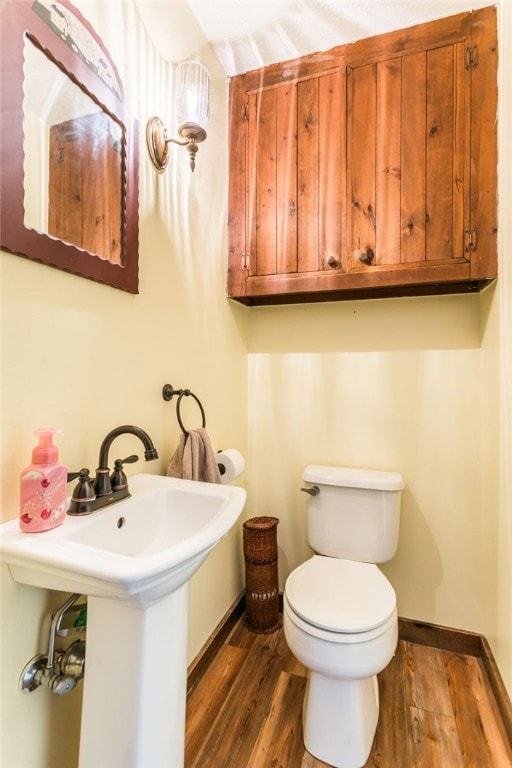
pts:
[367, 170]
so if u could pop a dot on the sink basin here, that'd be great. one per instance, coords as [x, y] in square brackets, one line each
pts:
[138, 550]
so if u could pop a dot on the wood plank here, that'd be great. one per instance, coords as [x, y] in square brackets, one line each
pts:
[371, 49]
[439, 192]
[413, 157]
[388, 162]
[251, 190]
[461, 150]
[380, 292]
[495, 725]
[435, 742]
[307, 175]
[204, 704]
[308, 761]
[484, 151]
[497, 686]
[331, 170]
[280, 741]
[361, 142]
[244, 638]
[481, 735]
[241, 636]
[263, 259]
[423, 664]
[200, 664]
[242, 714]
[237, 193]
[286, 108]
[391, 744]
[357, 279]
[438, 636]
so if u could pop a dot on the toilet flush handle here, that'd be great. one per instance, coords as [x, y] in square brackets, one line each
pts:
[313, 491]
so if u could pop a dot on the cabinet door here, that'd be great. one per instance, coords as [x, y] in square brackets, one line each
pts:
[408, 165]
[295, 172]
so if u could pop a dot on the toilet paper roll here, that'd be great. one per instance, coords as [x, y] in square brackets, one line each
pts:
[231, 464]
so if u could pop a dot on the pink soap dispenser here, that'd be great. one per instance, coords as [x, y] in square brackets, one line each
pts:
[43, 487]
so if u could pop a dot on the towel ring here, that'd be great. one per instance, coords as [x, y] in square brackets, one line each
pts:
[188, 393]
[168, 393]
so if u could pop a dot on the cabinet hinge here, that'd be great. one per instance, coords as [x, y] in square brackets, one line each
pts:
[471, 57]
[245, 112]
[470, 239]
[244, 259]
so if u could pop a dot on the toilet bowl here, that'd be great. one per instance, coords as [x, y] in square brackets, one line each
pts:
[340, 621]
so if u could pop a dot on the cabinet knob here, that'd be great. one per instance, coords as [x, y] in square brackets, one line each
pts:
[332, 261]
[366, 256]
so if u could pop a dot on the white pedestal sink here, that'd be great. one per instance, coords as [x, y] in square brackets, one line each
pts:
[133, 560]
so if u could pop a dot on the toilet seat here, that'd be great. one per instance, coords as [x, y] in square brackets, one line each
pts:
[336, 597]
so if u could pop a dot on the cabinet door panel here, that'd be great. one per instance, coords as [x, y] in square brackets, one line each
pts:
[408, 158]
[262, 183]
[238, 187]
[331, 170]
[439, 143]
[307, 174]
[484, 151]
[361, 140]
[388, 172]
[461, 151]
[286, 213]
[413, 158]
[447, 160]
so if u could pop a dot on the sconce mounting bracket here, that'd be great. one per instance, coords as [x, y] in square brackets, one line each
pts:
[156, 140]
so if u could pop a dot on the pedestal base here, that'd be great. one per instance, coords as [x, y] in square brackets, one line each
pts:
[133, 713]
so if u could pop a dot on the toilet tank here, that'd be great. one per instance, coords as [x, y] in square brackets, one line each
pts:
[356, 514]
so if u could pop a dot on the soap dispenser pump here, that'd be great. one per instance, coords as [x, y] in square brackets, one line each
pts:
[43, 486]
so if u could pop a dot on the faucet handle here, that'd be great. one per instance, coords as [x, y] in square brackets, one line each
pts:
[118, 479]
[83, 492]
[74, 475]
[129, 460]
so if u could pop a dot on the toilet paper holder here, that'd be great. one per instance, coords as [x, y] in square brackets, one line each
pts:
[222, 468]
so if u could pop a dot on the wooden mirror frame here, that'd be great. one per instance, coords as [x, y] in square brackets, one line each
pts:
[19, 19]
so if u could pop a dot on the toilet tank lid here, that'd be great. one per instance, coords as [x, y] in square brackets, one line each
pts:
[350, 477]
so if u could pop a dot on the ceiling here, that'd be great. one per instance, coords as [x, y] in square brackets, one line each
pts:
[248, 34]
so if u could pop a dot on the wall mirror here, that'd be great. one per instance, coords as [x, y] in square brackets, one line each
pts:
[69, 186]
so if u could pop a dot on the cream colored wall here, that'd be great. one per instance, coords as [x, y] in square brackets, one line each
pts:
[86, 358]
[390, 384]
[419, 385]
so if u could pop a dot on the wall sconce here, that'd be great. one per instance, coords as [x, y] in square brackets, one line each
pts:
[192, 113]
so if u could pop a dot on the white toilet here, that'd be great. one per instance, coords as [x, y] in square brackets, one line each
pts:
[339, 614]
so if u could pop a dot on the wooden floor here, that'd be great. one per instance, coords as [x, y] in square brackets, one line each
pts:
[436, 710]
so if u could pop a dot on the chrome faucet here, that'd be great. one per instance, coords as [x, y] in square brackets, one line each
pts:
[107, 488]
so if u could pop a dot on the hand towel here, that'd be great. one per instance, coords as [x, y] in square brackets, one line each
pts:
[194, 458]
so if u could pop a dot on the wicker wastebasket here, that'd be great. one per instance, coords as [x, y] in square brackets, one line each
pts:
[261, 574]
